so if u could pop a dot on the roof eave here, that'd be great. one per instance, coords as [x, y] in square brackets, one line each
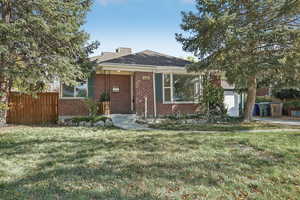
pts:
[140, 68]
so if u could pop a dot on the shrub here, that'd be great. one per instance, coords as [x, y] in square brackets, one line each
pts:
[92, 119]
[3, 107]
[77, 120]
[212, 98]
[100, 118]
[179, 116]
[263, 99]
[291, 104]
[92, 107]
[287, 94]
[104, 97]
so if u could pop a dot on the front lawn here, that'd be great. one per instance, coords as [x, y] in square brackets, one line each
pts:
[89, 163]
[222, 126]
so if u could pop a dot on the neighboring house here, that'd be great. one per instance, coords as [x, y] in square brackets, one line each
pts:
[146, 83]
[233, 101]
[263, 92]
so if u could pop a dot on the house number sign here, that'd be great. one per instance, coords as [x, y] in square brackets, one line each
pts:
[146, 78]
[116, 89]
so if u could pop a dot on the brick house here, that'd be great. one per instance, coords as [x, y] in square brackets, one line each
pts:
[145, 83]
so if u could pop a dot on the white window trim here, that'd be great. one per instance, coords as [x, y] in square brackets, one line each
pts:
[172, 90]
[79, 98]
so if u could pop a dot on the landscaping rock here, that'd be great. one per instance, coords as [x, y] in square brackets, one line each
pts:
[61, 122]
[194, 121]
[109, 123]
[70, 123]
[191, 121]
[162, 121]
[88, 124]
[99, 124]
[82, 123]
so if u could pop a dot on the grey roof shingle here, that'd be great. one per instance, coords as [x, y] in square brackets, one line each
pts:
[149, 58]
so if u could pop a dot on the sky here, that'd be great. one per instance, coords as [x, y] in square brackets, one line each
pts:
[138, 24]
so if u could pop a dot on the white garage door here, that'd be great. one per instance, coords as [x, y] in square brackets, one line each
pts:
[231, 101]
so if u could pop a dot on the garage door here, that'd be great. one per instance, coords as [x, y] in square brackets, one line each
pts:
[231, 101]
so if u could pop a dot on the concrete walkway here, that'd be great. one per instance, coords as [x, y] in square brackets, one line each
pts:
[127, 122]
[279, 121]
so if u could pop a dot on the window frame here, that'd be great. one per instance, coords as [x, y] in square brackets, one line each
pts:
[61, 92]
[172, 89]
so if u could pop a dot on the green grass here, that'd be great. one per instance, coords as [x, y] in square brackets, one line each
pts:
[222, 127]
[90, 163]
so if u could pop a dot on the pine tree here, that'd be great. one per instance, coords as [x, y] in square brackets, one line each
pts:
[252, 41]
[42, 40]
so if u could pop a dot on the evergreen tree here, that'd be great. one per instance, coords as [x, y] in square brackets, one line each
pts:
[42, 40]
[252, 41]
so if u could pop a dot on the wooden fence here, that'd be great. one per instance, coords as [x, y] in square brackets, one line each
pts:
[27, 109]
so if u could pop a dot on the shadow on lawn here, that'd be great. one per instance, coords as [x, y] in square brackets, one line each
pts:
[68, 161]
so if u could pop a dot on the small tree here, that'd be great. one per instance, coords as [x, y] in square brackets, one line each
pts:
[252, 41]
[212, 98]
[92, 107]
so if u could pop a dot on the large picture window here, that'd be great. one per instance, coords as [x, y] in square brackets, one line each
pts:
[79, 91]
[181, 88]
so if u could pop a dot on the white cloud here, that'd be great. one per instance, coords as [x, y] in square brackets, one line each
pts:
[106, 2]
[188, 1]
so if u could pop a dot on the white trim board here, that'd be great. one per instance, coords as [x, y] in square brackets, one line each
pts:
[143, 68]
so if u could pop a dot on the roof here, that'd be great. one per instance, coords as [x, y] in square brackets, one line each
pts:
[149, 58]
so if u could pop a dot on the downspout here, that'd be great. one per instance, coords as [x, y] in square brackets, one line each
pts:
[154, 96]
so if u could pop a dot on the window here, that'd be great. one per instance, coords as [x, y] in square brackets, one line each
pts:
[181, 88]
[79, 91]
[167, 87]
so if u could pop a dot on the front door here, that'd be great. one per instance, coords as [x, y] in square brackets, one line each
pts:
[120, 94]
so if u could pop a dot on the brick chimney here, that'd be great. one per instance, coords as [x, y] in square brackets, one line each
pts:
[123, 51]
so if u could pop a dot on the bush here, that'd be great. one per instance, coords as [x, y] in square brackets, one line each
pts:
[263, 99]
[287, 94]
[179, 116]
[91, 119]
[212, 98]
[3, 107]
[92, 106]
[291, 104]
[104, 97]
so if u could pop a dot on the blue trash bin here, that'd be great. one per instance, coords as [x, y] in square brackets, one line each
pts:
[264, 109]
[256, 110]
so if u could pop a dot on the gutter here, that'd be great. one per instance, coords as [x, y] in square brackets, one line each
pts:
[154, 96]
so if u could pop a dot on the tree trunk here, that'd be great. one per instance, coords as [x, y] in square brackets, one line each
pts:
[3, 102]
[251, 97]
[4, 83]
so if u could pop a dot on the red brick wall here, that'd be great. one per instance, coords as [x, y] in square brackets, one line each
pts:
[167, 109]
[142, 89]
[76, 107]
[72, 107]
[120, 102]
[100, 85]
